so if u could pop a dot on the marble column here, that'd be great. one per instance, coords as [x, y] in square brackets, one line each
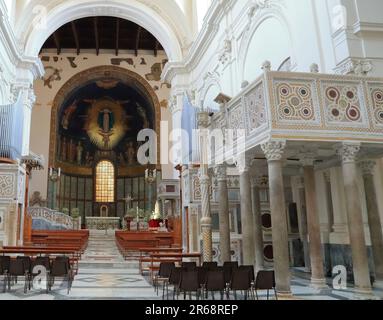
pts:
[313, 224]
[247, 221]
[206, 220]
[299, 198]
[373, 217]
[257, 216]
[274, 152]
[224, 215]
[361, 271]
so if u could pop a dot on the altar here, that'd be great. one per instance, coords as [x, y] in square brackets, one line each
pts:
[103, 223]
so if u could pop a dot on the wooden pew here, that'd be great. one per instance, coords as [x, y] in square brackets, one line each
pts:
[75, 238]
[130, 243]
[145, 256]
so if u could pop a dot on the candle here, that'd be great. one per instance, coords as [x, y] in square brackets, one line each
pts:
[59, 172]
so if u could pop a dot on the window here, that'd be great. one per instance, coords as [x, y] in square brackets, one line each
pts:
[105, 182]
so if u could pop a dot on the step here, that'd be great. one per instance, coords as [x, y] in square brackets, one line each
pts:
[108, 265]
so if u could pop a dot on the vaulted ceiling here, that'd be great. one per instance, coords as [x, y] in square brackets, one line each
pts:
[98, 33]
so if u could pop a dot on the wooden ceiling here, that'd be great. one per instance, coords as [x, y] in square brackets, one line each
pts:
[97, 33]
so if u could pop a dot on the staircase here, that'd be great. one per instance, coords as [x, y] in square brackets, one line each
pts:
[102, 252]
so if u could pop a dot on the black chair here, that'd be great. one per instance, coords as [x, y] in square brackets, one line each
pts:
[174, 280]
[4, 270]
[265, 281]
[229, 268]
[202, 278]
[189, 283]
[241, 281]
[61, 269]
[216, 283]
[163, 276]
[231, 264]
[210, 266]
[41, 265]
[189, 266]
[19, 267]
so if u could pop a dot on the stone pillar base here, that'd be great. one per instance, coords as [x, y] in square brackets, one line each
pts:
[285, 296]
[318, 284]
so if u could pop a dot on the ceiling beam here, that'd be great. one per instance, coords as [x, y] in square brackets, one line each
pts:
[76, 38]
[139, 29]
[117, 35]
[57, 42]
[96, 35]
[156, 46]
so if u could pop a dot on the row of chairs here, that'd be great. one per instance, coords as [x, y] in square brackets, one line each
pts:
[27, 268]
[210, 278]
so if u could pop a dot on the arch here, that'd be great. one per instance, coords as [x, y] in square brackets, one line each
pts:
[160, 21]
[246, 42]
[211, 86]
[124, 75]
[105, 183]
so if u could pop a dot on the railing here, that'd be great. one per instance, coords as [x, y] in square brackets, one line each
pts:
[44, 218]
[306, 106]
[11, 130]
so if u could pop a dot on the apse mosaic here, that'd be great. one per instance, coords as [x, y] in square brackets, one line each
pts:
[102, 119]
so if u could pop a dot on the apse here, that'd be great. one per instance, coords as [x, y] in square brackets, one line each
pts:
[96, 149]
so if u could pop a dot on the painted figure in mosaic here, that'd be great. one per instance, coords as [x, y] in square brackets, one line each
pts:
[80, 149]
[131, 153]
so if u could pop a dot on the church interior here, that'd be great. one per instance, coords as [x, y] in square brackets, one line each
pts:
[193, 150]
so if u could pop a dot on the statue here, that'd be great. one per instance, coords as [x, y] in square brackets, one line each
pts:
[121, 159]
[64, 148]
[106, 120]
[79, 153]
[67, 115]
[71, 153]
[131, 153]
[88, 159]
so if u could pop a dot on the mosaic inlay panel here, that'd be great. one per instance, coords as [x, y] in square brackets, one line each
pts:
[255, 106]
[237, 118]
[294, 103]
[343, 105]
[377, 104]
[7, 184]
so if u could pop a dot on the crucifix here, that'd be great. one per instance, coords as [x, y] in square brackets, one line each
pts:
[128, 201]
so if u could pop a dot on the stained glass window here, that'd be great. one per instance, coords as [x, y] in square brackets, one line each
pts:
[105, 182]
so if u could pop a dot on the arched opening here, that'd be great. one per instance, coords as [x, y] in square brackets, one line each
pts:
[263, 45]
[95, 119]
[105, 183]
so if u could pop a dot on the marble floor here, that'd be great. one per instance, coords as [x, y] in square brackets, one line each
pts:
[104, 275]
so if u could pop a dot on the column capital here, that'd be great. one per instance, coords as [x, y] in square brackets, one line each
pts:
[204, 177]
[308, 159]
[367, 167]
[259, 181]
[174, 107]
[274, 149]
[221, 172]
[349, 152]
[244, 162]
[203, 119]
